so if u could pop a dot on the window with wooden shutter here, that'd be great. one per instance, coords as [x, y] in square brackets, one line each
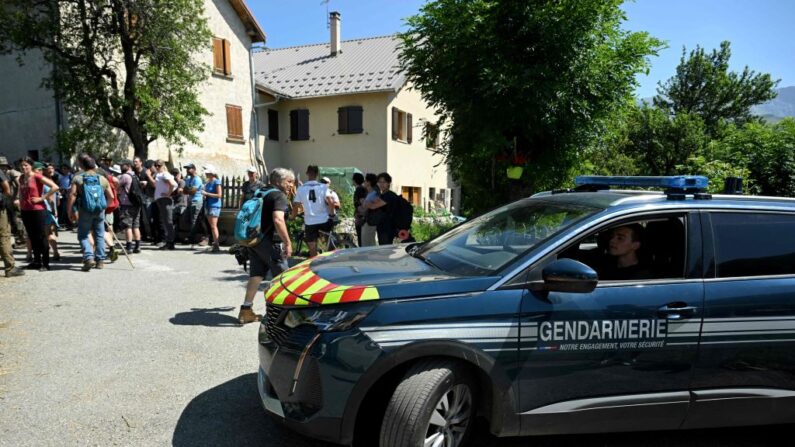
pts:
[350, 120]
[401, 125]
[299, 124]
[431, 135]
[234, 123]
[222, 56]
[273, 125]
[411, 194]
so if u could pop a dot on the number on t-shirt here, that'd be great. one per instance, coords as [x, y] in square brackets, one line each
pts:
[312, 196]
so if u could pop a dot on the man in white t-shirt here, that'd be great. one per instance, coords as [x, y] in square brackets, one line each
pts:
[317, 204]
[164, 186]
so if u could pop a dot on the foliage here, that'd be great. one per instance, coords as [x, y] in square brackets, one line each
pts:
[717, 171]
[127, 64]
[703, 85]
[520, 83]
[426, 229]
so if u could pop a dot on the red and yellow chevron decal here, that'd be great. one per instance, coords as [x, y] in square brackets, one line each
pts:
[302, 281]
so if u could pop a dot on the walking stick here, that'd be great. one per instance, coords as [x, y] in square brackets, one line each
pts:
[116, 240]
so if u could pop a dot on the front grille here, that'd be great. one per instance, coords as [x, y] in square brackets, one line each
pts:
[274, 316]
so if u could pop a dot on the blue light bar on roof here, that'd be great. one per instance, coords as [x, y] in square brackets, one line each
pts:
[691, 183]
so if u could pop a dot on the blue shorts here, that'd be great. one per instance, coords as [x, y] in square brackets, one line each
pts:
[213, 212]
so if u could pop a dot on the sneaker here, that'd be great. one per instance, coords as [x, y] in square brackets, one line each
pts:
[44, 268]
[16, 271]
[204, 242]
[33, 266]
[100, 265]
[88, 265]
[215, 249]
[137, 248]
[247, 315]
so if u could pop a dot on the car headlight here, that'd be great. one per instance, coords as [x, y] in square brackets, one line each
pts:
[328, 319]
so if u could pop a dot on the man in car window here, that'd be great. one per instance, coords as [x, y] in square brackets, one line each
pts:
[625, 262]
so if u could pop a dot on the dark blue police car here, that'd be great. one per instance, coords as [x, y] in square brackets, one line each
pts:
[581, 311]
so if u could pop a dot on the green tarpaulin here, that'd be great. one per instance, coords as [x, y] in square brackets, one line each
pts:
[340, 178]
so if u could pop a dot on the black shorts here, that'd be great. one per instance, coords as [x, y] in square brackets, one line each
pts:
[266, 257]
[312, 232]
[129, 217]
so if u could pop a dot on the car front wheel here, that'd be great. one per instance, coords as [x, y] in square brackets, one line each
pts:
[433, 406]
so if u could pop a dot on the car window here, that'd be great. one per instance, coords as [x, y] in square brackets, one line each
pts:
[748, 244]
[649, 248]
[485, 244]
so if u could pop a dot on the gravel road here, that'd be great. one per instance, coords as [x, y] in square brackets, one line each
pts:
[154, 356]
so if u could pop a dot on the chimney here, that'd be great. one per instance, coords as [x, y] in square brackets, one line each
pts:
[334, 21]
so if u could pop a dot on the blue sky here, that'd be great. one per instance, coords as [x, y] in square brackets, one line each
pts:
[760, 30]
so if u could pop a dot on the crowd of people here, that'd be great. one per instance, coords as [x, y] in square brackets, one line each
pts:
[145, 201]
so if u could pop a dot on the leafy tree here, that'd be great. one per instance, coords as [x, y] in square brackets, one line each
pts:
[520, 83]
[126, 63]
[703, 85]
[659, 142]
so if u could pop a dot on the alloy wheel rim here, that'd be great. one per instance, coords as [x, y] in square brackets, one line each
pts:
[450, 418]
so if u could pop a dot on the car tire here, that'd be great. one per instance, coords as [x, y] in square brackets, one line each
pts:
[433, 405]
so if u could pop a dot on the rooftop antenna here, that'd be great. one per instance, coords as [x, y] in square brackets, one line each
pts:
[328, 20]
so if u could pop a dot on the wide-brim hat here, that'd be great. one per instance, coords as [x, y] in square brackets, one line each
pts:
[251, 169]
[116, 169]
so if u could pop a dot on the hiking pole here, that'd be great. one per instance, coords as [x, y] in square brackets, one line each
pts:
[123, 250]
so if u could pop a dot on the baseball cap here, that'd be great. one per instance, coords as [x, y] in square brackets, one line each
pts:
[126, 161]
[325, 180]
[210, 169]
[189, 166]
[38, 165]
[251, 169]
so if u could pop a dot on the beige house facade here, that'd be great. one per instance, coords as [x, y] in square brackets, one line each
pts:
[350, 108]
[30, 115]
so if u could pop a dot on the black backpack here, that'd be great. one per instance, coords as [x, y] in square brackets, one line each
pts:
[136, 194]
[403, 214]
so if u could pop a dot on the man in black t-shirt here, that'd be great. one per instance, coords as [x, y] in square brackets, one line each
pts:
[387, 203]
[271, 254]
[358, 198]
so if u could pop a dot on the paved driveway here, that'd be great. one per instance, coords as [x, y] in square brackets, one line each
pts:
[153, 356]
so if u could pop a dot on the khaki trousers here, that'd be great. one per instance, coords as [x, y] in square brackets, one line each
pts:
[6, 252]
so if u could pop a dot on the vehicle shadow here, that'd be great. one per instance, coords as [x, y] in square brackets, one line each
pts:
[231, 414]
[211, 317]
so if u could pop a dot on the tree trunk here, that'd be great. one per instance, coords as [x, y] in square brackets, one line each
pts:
[138, 138]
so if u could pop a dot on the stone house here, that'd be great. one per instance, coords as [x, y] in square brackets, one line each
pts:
[346, 104]
[30, 115]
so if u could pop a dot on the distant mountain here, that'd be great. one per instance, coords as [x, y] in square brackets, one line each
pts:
[782, 106]
[772, 111]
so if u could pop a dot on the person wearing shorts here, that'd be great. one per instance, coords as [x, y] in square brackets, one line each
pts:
[129, 214]
[212, 194]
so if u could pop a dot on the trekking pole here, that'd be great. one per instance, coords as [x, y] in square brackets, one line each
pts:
[116, 240]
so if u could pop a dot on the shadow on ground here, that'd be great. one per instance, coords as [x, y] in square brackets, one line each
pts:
[211, 317]
[231, 415]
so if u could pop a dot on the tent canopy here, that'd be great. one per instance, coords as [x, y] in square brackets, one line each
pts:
[341, 178]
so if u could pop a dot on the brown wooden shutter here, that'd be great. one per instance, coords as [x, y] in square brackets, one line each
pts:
[234, 122]
[395, 123]
[218, 55]
[342, 120]
[227, 58]
[408, 128]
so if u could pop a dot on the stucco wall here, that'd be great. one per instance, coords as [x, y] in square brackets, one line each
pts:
[27, 111]
[218, 91]
[413, 164]
[325, 147]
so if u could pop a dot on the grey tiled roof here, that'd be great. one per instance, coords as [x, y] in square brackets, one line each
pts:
[364, 65]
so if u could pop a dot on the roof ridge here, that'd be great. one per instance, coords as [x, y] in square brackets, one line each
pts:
[266, 50]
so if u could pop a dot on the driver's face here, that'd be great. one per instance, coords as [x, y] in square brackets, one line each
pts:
[621, 242]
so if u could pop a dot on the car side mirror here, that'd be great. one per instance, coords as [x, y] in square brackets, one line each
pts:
[568, 275]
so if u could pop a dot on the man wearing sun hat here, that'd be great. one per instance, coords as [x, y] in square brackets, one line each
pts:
[250, 186]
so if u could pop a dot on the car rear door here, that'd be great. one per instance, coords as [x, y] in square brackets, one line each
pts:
[745, 372]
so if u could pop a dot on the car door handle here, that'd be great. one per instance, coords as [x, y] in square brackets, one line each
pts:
[676, 311]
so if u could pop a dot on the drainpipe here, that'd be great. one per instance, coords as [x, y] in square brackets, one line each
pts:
[257, 155]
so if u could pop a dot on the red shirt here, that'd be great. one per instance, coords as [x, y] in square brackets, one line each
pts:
[32, 187]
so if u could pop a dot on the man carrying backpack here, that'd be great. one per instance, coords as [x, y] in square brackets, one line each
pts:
[130, 201]
[193, 189]
[92, 194]
[274, 247]
[395, 209]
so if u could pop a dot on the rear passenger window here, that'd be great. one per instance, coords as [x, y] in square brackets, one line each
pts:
[749, 244]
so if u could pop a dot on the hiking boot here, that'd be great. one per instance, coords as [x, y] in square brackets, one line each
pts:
[16, 271]
[33, 266]
[137, 248]
[113, 255]
[247, 315]
[216, 249]
[100, 264]
[88, 265]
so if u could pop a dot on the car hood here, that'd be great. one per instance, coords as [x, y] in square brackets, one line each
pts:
[375, 273]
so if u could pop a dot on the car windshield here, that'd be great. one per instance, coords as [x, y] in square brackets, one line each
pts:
[484, 245]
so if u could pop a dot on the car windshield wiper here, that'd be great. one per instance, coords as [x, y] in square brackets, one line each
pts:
[416, 254]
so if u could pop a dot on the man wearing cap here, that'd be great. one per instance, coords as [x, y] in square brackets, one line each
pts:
[250, 186]
[129, 213]
[6, 204]
[164, 186]
[193, 189]
[64, 183]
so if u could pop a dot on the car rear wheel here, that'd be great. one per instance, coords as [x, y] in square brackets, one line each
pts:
[433, 406]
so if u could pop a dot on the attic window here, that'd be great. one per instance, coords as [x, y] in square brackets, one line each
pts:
[222, 57]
